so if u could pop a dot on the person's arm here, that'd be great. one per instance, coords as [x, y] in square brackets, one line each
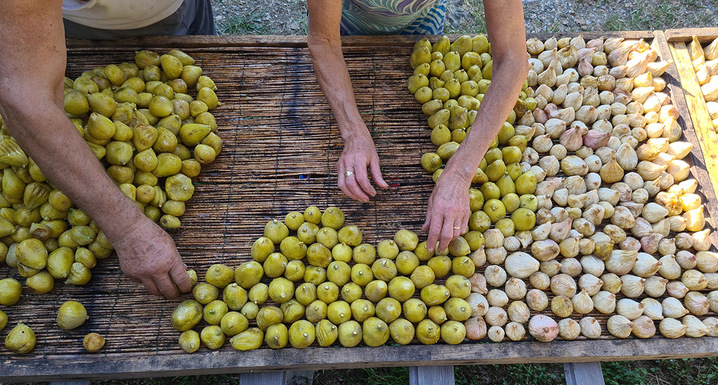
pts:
[448, 212]
[325, 47]
[33, 60]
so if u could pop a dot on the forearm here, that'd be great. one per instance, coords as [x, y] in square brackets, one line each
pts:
[505, 25]
[334, 80]
[508, 78]
[52, 141]
[31, 100]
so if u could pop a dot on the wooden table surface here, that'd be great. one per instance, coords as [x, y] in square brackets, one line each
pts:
[281, 146]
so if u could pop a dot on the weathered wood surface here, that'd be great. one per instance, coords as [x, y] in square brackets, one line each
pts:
[281, 146]
[172, 363]
[431, 375]
[704, 35]
[683, 96]
[701, 121]
[584, 373]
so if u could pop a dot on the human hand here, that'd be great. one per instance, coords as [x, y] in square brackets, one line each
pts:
[448, 212]
[148, 255]
[352, 178]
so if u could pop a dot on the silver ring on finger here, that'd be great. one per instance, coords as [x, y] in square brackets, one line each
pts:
[348, 173]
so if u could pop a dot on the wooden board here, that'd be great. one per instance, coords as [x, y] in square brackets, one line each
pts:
[702, 123]
[683, 95]
[172, 363]
[281, 146]
[704, 35]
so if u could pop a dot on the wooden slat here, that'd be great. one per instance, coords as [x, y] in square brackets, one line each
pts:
[704, 35]
[431, 375]
[702, 123]
[585, 373]
[229, 361]
[699, 168]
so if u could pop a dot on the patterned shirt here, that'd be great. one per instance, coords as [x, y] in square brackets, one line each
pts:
[388, 17]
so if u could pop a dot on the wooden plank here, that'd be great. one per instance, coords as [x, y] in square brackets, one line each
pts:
[265, 97]
[585, 373]
[704, 35]
[229, 361]
[431, 375]
[702, 123]
[699, 169]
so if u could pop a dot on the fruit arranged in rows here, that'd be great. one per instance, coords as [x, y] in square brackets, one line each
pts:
[313, 279]
[149, 123]
[593, 137]
[151, 134]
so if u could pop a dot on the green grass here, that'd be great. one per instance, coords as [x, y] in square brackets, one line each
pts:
[697, 371]
[245, 25]
[196, 380]
[525, 374]
[474, 24]
[661, 15]
[371, 376]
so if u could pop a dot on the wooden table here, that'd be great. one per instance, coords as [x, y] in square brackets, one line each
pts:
[281, 146]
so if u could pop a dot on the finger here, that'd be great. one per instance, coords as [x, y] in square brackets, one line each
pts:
[363, 180]
[342, 179]
[181, 278]
[465, 223]
[427, 222]
[434, 232]
[447, 231]
[457, 228]
[151, 287]
[429, 216]
[354, 189]
[347, 183]
[376, 172]
[166, 286]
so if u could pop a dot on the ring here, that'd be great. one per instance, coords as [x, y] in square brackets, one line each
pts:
[349, 173]
[457, 228]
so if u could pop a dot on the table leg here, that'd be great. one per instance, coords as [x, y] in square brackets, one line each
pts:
[431, 375]
[583, 373]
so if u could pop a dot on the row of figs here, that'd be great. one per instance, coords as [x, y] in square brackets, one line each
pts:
[584, 202]
[312, 278]
[149, 123]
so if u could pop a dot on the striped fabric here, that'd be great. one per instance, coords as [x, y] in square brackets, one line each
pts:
[393, 17]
